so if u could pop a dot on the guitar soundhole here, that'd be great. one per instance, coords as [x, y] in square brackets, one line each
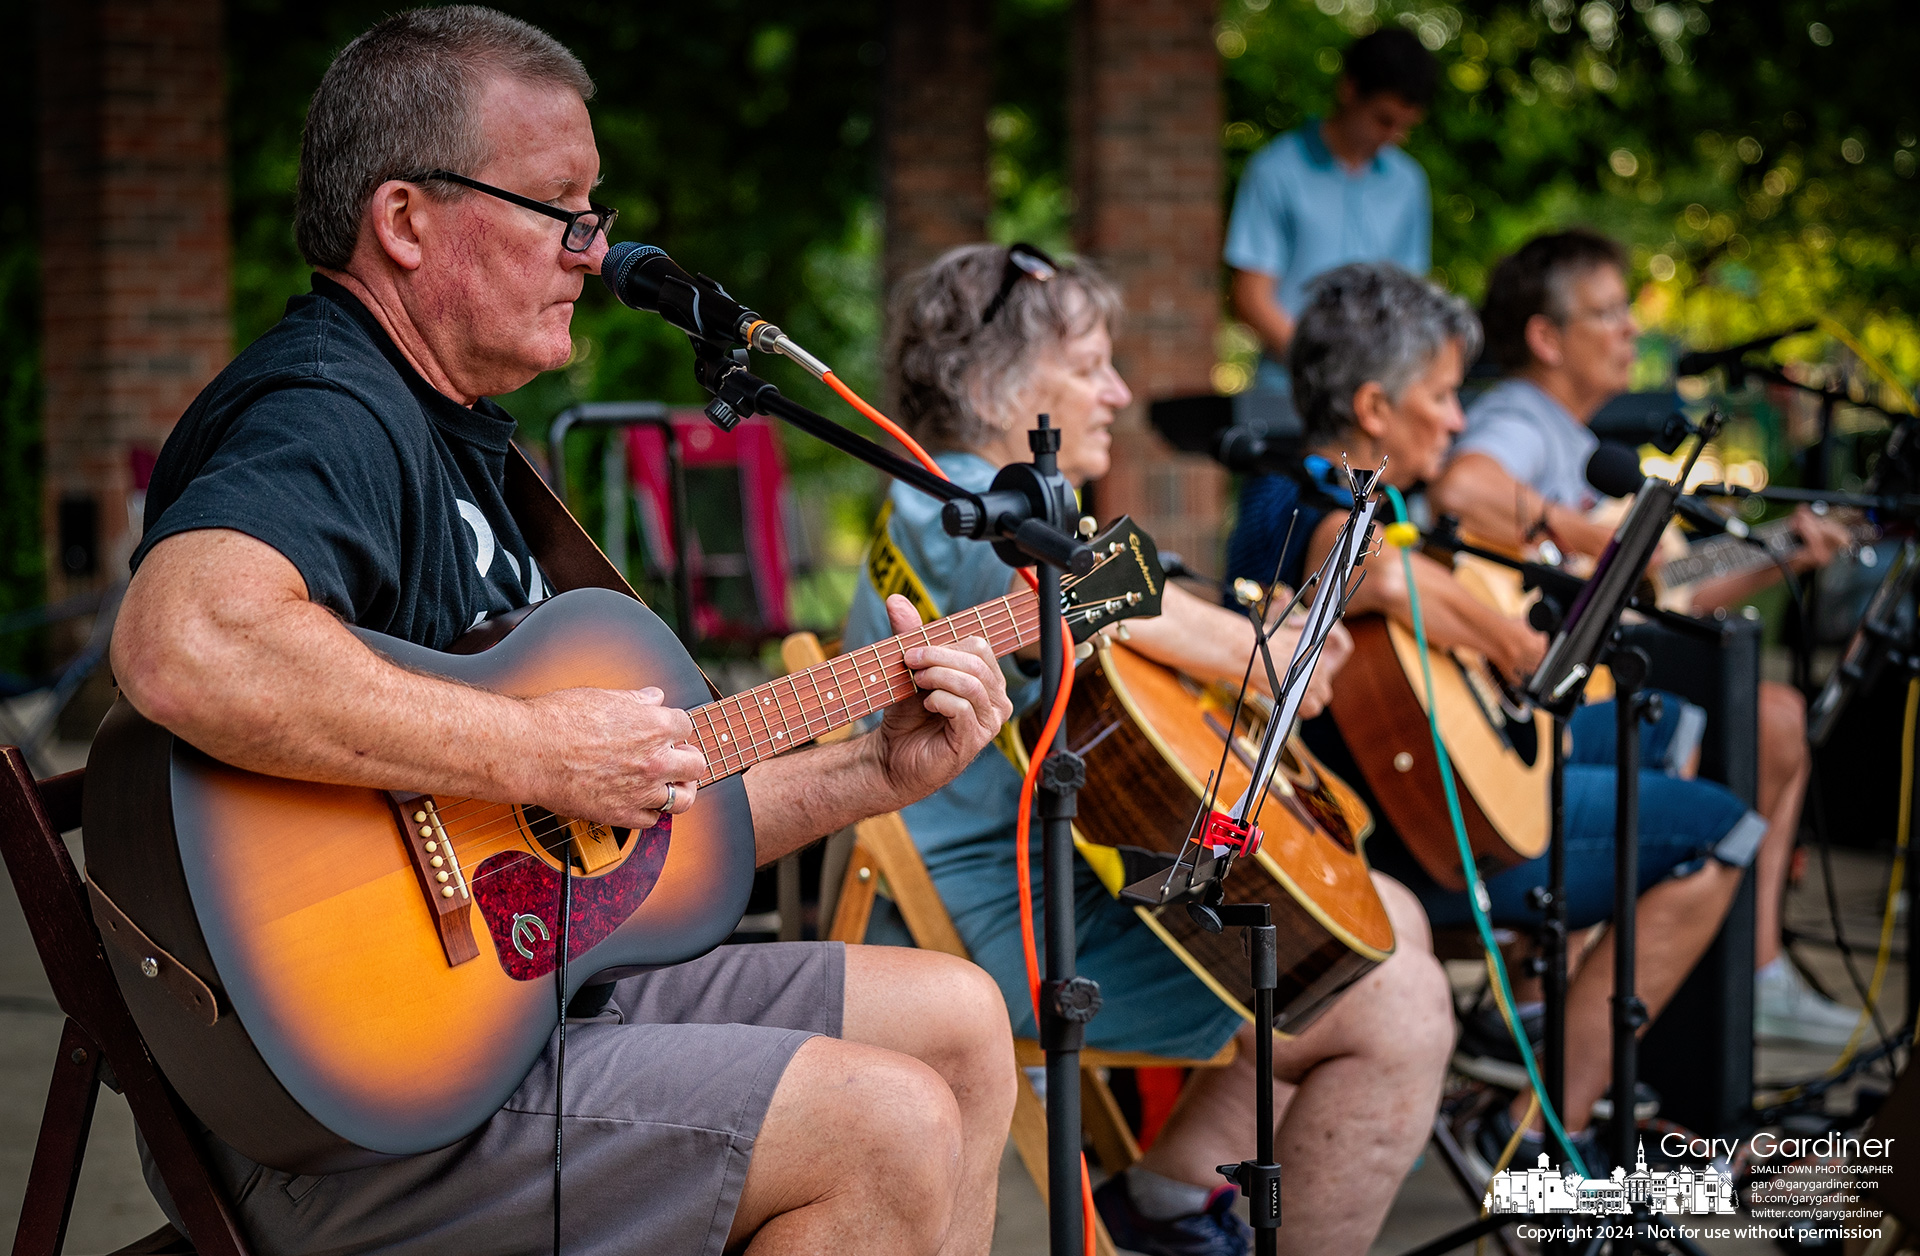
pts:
[589, 846]
[1312, 796]
[1524, 737]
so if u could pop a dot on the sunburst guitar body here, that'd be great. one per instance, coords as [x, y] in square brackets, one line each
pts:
[1500, 747]
[1151, 739]
[332, 976]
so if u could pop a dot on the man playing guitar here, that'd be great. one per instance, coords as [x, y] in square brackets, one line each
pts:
[347, 469]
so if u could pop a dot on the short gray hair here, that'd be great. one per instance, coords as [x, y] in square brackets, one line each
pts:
[952, 374]
[1369, 322]
[401, 100]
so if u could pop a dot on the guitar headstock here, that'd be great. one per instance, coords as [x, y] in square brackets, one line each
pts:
[1126, 581]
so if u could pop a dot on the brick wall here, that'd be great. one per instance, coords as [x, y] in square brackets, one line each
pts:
[134, 249]
[1146, 115]
[939, 86]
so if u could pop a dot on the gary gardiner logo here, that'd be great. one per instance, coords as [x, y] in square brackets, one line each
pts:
[1544, 1189]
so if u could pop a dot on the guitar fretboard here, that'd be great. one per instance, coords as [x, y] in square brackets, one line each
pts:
[1730, 555]
[737, 732]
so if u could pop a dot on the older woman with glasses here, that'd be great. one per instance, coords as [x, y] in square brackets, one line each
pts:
[983, 340]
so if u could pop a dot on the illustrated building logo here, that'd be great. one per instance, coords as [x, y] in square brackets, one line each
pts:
[1685, 1191]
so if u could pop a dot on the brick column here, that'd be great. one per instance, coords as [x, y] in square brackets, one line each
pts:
[1146, 116]
[939, 86]
[134, 256]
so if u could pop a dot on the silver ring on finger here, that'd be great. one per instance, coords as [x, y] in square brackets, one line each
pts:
[669, 807]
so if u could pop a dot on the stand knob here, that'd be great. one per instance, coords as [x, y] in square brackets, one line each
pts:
[1077, 999]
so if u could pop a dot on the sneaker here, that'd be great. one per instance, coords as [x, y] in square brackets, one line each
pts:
[1784, 1006]
[1495, 1130]
[1217, 1230]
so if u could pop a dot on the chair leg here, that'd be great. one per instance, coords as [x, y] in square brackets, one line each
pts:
[855, 908]
[1113, 1140]
[1030, 1140]
[64, 1127]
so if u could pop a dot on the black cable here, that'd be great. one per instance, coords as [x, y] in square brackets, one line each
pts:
[560, 1049]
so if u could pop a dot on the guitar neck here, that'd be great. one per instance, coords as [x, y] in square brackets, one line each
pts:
[737, 732]
[1721, 556]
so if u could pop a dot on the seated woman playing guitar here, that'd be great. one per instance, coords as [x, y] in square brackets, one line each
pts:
[1376, 363]
[985, 339]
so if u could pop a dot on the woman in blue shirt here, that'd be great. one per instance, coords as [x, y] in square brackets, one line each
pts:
[985, 339]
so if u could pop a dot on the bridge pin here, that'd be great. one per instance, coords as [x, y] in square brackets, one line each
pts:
[426, 830]
[419, 816]
[432, 846]
[446, 891]
[441, 876]
[438, 862]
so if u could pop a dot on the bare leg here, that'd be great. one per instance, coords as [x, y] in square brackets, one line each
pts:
[1362, 1087]
[1676, 922]
[1785, 767]
[888, 1139]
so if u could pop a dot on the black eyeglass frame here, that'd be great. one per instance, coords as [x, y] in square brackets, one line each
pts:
[602, 215]
[1023, 261]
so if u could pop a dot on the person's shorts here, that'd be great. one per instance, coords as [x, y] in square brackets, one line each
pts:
[666, 1090]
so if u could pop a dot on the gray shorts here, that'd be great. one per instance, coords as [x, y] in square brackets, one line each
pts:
[666, 1091]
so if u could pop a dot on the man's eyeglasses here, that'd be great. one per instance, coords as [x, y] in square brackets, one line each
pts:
[582, 224]
[1023, 260]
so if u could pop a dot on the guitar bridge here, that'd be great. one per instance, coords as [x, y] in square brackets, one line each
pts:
[438, 868]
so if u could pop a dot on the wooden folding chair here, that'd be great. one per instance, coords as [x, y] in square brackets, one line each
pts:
[884, 853]
[100, 1041]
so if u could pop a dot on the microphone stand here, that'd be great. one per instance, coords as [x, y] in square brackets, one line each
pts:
[1028, 516]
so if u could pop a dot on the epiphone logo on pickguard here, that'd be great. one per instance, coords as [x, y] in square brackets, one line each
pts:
[525, 925]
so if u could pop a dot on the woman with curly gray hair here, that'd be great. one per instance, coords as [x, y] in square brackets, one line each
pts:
[983, 340]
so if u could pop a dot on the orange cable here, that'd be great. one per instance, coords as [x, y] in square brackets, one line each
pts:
[1023, 826]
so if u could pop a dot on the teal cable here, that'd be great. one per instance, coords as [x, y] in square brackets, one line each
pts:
[1476, 891]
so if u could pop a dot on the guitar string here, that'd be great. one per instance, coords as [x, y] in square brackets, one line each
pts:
[518, 830]
[515, 828]
[798, 706]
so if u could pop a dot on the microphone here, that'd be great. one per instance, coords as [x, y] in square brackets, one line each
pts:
[1701, 361]
[1614, 470]
[1247, 450]
[644, 277]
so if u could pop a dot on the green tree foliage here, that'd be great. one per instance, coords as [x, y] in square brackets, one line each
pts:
[1759, 158]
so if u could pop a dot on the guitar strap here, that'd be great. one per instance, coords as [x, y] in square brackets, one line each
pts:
[566, 554]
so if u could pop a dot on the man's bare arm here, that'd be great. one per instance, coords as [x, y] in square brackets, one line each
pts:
[1257, 306]
[1498, 510]
[217, 642]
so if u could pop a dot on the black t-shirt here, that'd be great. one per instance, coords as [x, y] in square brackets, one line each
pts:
[321, 440]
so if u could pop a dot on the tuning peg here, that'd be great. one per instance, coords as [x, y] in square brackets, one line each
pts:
[1083, 651]
[1123, 632]
[1087, 526]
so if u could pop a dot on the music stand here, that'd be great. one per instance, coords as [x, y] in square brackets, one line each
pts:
[1589, 636]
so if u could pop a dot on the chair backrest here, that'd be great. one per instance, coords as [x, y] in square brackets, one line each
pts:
[32, 817]
[752, 452]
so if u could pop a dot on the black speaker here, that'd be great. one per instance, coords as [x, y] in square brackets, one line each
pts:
[1699, 1054]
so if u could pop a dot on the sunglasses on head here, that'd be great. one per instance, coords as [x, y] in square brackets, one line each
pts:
[1023, 261]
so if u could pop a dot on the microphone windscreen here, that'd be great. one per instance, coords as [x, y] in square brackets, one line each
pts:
[619, 263]
[1614, 469]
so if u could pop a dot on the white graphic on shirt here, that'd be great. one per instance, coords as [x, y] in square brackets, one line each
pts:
[483, 541]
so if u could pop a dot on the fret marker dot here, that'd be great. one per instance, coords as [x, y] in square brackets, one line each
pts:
[830, 693]
[873, 678]
[724, 737]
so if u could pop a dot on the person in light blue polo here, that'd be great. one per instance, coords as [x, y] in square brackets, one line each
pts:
[1337, 190]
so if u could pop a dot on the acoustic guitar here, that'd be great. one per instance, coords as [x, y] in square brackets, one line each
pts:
[1500, 747]
[331, 976]
[1151, 738]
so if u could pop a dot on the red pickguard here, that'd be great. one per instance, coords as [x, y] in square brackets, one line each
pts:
[515, 884]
